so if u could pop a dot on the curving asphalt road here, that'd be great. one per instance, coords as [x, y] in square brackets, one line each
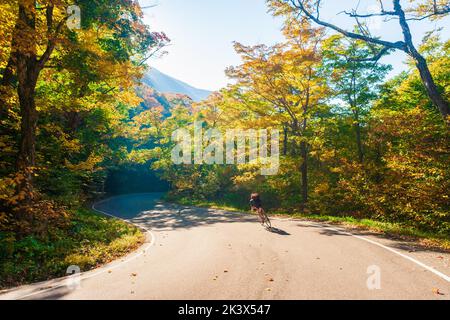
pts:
[200, 254]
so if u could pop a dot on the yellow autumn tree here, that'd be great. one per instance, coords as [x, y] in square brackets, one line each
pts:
[279, 87]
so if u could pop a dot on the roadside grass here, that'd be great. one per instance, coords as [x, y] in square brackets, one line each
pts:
[90, 240]
[389, 229]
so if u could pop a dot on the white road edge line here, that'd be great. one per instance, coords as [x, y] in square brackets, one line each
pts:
[421, 264]
[104, 269]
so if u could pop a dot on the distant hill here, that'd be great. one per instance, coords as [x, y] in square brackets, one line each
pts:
[164, 101]
[165, 84]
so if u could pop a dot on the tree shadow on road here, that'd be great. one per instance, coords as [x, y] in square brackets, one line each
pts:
[55, 294]
[166, 217]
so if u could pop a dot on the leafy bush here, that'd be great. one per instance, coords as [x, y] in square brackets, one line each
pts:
[87, 241]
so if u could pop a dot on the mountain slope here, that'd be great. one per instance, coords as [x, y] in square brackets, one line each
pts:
[166, 84]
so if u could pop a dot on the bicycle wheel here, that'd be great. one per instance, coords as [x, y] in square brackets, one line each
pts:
[266, 223]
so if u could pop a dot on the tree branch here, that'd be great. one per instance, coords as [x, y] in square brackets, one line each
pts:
[405, 27]
[354, 14]
[299, 4]
[49, 18]
[436, 12]
[51, 43]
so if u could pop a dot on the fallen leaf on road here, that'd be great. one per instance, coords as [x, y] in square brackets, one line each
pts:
[438, 292]
[134, 274]
[225, 271]
[109, 271]
[268, 289]
[271, 280]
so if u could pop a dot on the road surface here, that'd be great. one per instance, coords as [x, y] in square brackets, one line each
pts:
[199, 254]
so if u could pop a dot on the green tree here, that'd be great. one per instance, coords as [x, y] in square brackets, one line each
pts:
[354, 79]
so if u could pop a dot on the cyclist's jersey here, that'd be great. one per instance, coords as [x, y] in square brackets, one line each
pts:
[256, 203]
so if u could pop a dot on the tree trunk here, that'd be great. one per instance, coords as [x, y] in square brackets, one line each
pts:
[28, 69]
[6, 83]
[358, 133]
[26, 159]
[299, 131]
[5, 89]
[27, 87]
[304, 167]
[359, 142]
[430, 86]
[285, 141]
[8, 73]
[304, 171]
[427, 79]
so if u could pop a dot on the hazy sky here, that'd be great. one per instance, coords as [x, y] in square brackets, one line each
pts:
[202, 33]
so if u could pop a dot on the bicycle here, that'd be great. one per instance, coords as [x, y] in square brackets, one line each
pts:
[256, 205]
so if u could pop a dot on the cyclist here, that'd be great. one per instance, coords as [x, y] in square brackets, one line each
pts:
[256, 205]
